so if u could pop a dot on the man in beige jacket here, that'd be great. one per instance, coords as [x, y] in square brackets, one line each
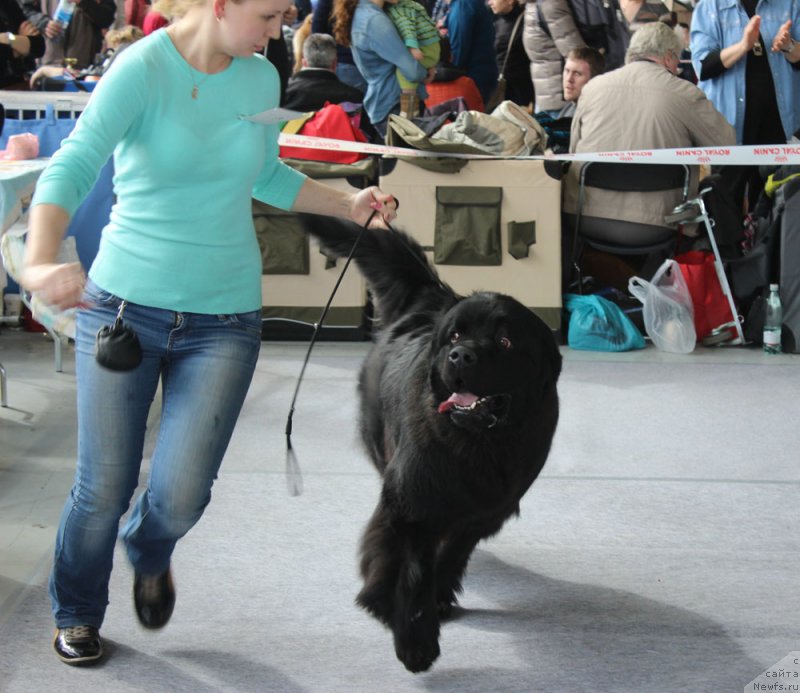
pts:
[642, 105]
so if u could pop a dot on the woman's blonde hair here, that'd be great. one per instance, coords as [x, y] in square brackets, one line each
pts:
[173, 9]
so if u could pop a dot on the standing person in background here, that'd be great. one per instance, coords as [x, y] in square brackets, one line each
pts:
[746, 64]
[507, 15]
[20, 42]
[470, 32]
[180, 256]
[82, 39]
[640, 12]
[346, 69]
[421, 37]
[549, 34]
[378, 52]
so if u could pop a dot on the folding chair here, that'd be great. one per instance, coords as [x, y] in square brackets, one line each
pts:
[640, 238]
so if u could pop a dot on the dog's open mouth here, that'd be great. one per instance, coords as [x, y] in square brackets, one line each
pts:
[470, 411]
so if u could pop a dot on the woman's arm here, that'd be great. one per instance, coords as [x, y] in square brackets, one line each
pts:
[58, 284]
[317, 198]
[750, 36]
[386, 42]
[116, 102]
[24, 38]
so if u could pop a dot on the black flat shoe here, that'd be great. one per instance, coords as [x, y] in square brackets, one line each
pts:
[80, 645]
[154, 599]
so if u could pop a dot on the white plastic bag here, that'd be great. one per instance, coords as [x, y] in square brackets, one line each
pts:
[667, 308]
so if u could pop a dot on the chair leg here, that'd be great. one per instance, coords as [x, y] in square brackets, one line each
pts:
[59, 348]
[3, 391]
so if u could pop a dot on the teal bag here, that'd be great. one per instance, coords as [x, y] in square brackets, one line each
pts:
[597, 324]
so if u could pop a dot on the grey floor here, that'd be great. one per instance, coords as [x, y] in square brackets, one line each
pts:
[659, 550]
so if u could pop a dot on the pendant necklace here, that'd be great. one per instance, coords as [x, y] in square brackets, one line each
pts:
[195, 84]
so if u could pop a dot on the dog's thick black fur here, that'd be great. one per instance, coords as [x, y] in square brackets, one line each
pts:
[458, 411]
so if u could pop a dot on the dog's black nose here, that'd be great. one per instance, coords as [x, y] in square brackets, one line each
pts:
[462, 357]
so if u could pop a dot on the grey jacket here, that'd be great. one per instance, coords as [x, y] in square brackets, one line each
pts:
[547, 52]
[639, 106]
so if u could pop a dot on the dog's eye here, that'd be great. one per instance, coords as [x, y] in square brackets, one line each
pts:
[454, 337]
[505, 342]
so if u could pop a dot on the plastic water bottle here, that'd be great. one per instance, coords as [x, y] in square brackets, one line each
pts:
[773, 319]
[63, 14]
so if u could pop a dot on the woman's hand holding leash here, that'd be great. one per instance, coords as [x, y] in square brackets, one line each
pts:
[370, 200]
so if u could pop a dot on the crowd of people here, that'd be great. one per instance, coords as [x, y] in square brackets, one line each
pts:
[601, 76]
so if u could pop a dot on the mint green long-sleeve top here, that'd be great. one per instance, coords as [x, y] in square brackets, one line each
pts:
[180, 234]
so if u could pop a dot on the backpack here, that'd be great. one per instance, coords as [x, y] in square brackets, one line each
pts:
[601, 26]
[331, 122]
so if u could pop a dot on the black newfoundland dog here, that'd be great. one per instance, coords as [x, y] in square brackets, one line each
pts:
[458, 411]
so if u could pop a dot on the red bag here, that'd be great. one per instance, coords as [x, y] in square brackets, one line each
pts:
[331, 122]
[711, 308]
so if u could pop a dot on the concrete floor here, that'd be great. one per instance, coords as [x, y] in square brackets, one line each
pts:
[659, 550]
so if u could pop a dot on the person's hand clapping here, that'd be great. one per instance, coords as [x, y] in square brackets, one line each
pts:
[783, 39]
[750, 35]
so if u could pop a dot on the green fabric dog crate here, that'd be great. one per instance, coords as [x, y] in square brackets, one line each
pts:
[491, 225]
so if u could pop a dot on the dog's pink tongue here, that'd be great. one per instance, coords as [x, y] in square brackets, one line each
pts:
[462, 399]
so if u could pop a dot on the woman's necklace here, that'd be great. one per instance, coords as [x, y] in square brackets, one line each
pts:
[195, 84]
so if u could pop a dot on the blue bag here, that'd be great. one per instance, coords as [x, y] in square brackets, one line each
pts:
[50, 130]
[597, 324]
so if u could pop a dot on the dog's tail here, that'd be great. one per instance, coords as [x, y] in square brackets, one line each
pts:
[393, 264]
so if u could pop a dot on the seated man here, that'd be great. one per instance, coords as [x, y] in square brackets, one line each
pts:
[316, 83]
[580, 66]
[642, 105]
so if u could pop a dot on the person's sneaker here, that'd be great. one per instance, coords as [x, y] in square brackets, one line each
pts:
[154, 599]
[78, 645]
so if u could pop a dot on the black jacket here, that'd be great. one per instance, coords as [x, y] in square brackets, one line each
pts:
[311, 87]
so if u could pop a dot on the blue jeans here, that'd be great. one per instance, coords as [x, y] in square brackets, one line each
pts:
[205, 364]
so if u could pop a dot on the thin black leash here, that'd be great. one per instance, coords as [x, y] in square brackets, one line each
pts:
[294, 477]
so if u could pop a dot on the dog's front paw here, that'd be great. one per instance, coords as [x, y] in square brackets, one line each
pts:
[445, 604]
[416, 642]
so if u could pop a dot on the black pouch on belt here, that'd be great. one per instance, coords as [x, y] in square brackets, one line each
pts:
[117, 346]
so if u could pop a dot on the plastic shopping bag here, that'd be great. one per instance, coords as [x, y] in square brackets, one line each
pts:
[667, 308]
[597, 324]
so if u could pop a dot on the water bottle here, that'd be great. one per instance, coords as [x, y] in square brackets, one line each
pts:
[63, 14]
[773, 318]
